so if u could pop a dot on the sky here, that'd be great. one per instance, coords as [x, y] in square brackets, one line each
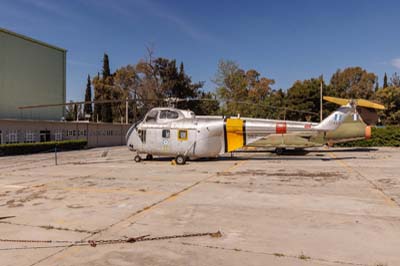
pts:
[283, 40]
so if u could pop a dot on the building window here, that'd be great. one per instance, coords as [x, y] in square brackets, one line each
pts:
[30, 136]
[58, 135]
[81, 132]
[182, 134]
[44, 135]
[1, 137]
[13, 137]
[166, 133]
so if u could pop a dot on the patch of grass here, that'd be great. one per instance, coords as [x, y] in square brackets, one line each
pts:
[50, 227]
[47, 227]
[302, 256]
[279, 255]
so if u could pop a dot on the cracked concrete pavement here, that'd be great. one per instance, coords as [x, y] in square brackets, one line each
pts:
[330, 207]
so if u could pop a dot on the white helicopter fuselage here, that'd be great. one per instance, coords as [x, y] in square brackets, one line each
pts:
[172, 132]
[188, 137]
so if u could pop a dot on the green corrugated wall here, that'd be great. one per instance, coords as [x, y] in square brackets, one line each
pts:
[31, 73]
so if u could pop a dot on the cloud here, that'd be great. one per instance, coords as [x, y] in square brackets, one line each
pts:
[396, 62]
[185, 26]
[50, 7]
[127, 9]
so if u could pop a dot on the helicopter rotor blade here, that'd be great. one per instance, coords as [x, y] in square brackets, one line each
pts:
[175, 100]
[358, 102]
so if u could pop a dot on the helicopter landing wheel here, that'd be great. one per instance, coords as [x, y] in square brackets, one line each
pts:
[180, 159]
[149, 157]
[137, 158]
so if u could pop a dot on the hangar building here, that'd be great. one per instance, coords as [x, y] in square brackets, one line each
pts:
[31, 73]
[34, 73]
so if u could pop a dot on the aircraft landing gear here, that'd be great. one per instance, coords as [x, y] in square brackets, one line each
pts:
[180, 159]
[149, 157]
[137, 158]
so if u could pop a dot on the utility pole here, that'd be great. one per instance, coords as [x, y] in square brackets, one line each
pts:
[126, 110]
[320, 101]
[76, 112]
[284, 114]
[134, 107]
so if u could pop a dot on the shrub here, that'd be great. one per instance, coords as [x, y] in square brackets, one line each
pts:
[385, 136]
[28, 148]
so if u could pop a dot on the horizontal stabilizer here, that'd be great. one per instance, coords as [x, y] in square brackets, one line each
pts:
[357, 102]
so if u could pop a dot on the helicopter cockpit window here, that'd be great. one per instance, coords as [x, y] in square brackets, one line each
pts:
[167, 114]
[142, 135]
[172, 115]
[152, 116]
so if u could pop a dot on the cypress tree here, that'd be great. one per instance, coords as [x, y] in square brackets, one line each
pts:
[181, 70]
[98, 90]
[75, 112]
[88, 98]
[385, 82]
[106, 66]
[106, 110]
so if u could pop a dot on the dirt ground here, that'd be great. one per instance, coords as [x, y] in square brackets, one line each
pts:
[329, 207]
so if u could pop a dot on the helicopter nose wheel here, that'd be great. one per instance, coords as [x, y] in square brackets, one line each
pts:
[137, 158]
[149, 157]
[180, 159]
[280, 151]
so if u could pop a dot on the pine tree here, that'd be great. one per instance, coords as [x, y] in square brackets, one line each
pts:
[88, 98]
[385, 81]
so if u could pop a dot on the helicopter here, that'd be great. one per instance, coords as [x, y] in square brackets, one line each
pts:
[183, 135]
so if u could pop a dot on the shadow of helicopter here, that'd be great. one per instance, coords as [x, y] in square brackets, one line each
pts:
[305, 152]
[258, 158]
